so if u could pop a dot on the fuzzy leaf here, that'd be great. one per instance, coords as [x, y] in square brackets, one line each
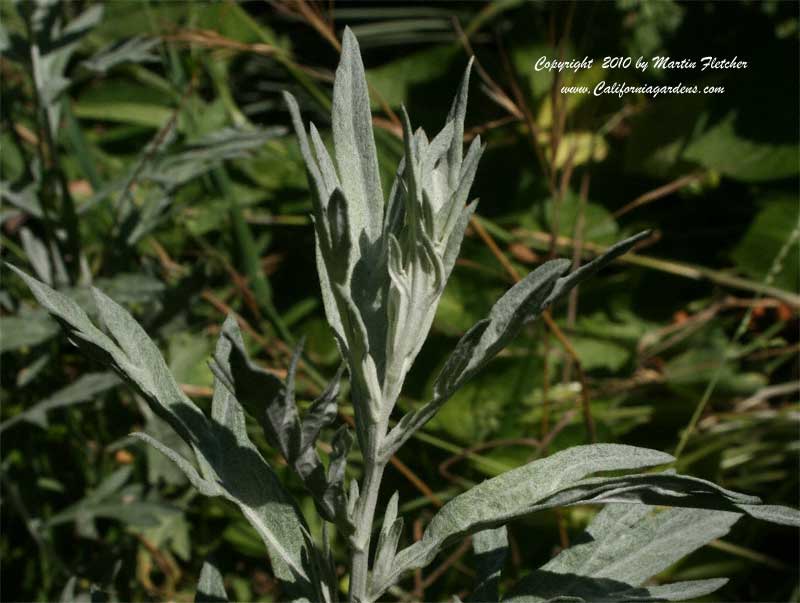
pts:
[522, 303]
[625, 543]
[481, 343]
[387, 541]
[603, 590]
[565, 284]
[491, 550]
[210, 587]
[229, 464]
[560, 480]
[353, 139]
[273, 404]
[458, 112]
[517, 492]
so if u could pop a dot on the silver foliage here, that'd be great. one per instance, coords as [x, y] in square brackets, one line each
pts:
[383, 263]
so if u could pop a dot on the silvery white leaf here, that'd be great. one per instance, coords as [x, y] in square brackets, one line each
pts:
[481, 343]
[229, 464]
[624, 543]
[560, 480]
[458, 111]
[565, 284]
[514, 493]
[272, 403]
[388, 540]
[603, 590]
[354, 142]
[134, 50]
[210, 586]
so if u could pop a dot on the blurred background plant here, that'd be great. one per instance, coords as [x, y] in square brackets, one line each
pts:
[144, 151]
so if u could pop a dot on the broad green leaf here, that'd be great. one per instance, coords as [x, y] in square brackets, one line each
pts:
[723, 149]
[597, 223]
[210, 586]
[395, 79]
[767, 234]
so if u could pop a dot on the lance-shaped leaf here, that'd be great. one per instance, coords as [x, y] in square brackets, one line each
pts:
[458, 111]
[354, 142]
[138, 49]
[210, 586]
[83, 389]
[491, 550]
[388, 539]
[560, 480]
[624, 544]
[565, 284]
[481, 343]
[229, 464]
[273, 404]
[603, 590]
[522, 303]
[497, 501]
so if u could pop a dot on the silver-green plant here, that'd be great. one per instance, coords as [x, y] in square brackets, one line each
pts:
[383, 264]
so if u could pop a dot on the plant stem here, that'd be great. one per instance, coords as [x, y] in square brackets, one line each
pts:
[359, 561]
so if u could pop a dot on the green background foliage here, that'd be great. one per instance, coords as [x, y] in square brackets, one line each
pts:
[146, 151]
